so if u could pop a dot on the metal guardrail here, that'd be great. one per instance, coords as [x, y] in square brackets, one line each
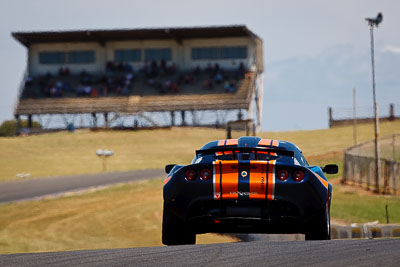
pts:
[359, 165]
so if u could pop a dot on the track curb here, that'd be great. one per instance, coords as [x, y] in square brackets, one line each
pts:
[366, 230]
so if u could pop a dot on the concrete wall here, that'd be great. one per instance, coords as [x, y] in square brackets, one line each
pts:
[180, 53]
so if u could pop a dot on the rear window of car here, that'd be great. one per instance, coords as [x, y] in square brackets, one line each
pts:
[230, 155]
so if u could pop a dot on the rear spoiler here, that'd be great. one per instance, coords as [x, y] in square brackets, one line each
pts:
[246, 149]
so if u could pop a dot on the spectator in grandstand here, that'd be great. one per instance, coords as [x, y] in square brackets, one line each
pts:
[145, 69]
[53, 91]
[80, 91]
[174, 88]
[230, 88]
[87, 90]
[216, 68]
[63, 71]
[128, 67]
[67, 87]
[227, 86]
[110, 66]
[209, 68]
[163, 67]
[218, 78]
[105, 90]
[197, 70]
[94, 92]
[129, 78]
[85, 78]
[239, 74]
[208, 84]
[28, 81]
[189, 79]
[172, 69]
[125, 90]
[154, 69]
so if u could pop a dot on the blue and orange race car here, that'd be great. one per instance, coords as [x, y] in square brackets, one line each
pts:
[246, 185]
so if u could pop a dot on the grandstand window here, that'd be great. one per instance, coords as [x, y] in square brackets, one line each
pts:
[157, 54]
[233, 52]
[51, 57]
[205, 53]
[128, 55]
[81, 57]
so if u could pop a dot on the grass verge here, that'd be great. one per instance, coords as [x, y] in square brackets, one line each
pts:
[66, 153]
[127, 215]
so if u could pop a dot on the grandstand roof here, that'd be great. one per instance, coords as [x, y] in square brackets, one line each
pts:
[28, 38]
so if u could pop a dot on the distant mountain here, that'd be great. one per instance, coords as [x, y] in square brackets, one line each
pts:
[298, 91]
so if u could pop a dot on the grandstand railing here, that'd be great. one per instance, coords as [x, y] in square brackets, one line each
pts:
[359, 165]
[133, 104]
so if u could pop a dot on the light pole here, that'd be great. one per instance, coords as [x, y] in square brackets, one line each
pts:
[371, 23]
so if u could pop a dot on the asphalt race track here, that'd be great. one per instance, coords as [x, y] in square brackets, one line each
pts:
[36, 188]
[373, 252]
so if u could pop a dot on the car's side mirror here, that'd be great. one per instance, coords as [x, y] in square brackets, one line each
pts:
[330, 169]
[169, 167]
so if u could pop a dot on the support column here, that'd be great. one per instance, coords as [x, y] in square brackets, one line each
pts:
[183, 118]
[30, 121]
[18, 125]
[172, 118]
[106, 119]
[94, 120]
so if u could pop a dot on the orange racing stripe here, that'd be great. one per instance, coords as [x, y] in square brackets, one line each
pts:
[167, 180]
[231, 142]
[275, 143]
[258, 180]
[322, 180]
[264, 142]
[230, 180]
[271, 180]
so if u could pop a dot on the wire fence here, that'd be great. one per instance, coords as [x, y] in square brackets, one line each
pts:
[359, 165]
[343, 113]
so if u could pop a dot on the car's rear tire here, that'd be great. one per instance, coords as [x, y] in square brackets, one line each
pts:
[174, 231]
[320, 229]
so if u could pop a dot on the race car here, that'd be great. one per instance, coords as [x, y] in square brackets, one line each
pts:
[246, 185]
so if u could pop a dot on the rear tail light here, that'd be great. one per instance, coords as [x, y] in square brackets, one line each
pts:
[298, 176]
[283, 175]
[190, 175]
[205, 174]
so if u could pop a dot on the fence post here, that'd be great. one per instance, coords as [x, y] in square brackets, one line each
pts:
[345, 167]
[368, 172]
[353, 169]
[330, 117]
[391, 112]
[386, 165]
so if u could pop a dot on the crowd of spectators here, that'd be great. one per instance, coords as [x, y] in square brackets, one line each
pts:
[119, 79]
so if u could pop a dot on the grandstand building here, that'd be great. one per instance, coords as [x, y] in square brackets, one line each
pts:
[197, 76]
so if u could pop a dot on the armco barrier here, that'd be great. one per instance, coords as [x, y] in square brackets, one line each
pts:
[367, 230]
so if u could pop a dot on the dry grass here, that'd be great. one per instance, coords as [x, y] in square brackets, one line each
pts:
[66, 153]
[121, 216]
[130, 215]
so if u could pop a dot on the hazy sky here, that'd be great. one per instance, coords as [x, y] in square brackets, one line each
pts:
[315, 51]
